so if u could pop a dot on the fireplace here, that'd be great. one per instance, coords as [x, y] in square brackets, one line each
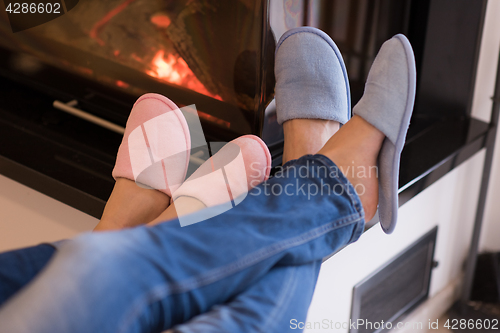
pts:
[212, 54]
[219, 55]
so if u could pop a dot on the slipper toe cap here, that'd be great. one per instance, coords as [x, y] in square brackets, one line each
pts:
[311, 79]
[230, 173]
[156, 145]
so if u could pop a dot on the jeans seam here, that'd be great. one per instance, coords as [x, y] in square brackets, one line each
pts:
[282, 298]
[328, 163]
[152, 296]
[356, 202]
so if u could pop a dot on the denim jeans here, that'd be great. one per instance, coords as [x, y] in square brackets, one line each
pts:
[251, 269]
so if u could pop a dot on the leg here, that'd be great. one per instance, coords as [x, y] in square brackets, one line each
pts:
[355, 150]
[262, 308]
[299, 137]
[276, 303]
[144, 278]
[19, 267]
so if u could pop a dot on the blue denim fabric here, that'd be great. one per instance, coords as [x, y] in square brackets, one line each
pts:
[270, 305]
[19, 267]
[149, 279]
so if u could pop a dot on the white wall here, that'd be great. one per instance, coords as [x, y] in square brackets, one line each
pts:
[485, 81]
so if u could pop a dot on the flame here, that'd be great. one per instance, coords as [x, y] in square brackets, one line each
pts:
[175, 70]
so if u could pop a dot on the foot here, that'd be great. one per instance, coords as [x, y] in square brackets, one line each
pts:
[130, 205]
[387, 104]
[311, 78]
[223, 180]
[151, 162]
[312, 90]
[156, 145]
[354, 149]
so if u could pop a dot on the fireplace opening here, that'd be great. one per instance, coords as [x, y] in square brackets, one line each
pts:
[195, 52]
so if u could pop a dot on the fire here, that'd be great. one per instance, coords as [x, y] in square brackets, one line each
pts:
[175, 70]
[168, 69]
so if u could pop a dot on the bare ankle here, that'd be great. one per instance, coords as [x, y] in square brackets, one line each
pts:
[130, 205]
[354, 148]
[306, 136]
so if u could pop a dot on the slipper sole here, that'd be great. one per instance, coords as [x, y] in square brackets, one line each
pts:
[390, 154]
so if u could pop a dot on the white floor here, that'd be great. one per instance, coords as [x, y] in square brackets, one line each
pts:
[28, 217]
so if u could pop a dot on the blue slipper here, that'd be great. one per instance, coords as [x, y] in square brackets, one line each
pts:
[387, 104]
[311, 78]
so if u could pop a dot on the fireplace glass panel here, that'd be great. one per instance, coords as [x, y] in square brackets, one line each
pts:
[207, 53]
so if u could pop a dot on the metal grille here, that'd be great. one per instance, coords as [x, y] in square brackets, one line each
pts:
[396, 288]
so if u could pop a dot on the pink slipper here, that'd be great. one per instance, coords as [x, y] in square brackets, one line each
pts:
[228, 175]
[156, 145]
